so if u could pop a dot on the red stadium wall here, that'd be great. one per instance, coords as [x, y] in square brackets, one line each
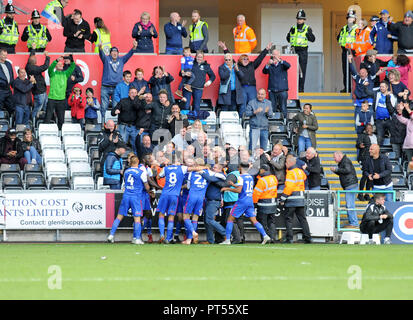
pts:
[91, 66]
[119, 15]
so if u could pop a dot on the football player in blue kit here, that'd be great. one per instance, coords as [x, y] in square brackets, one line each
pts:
[244, 204]
[136, 181]
[197, 186]
[168, 202]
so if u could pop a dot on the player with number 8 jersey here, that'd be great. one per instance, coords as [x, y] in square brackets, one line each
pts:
[168, 202]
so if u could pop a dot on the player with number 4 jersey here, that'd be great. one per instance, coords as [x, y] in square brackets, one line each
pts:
[136, 182]
[244, 205]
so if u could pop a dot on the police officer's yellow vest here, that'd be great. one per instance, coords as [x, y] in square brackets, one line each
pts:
[48, 11]
[299, 38]
[38, 38]
[104, 39]
[196, 34]
[347, 36]
[10, 37]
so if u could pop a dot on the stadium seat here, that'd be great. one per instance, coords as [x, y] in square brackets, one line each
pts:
[206, 104]
[73, 142]
[278, 130]
[11, 181]
[399, 183]
[324, 184]
[108, 116]
[4, 115]
[93, 128]
[80, 169]
[59, 183]
[55, 169]
[50, 142]
[76, 155]
[397, 169]
[83, 183]
[100, 185]
[68, 116]
[9, 168]
[71, 129]
[350, 237]
[49, 129]
[410, 181]
[3, 128]
[211, 122]
[94, 153]
[364, 238]
[92, 140]
[31, 168]
[53, 155]
[35, 181]
[97, 169]
[277, 118]
[228, 117]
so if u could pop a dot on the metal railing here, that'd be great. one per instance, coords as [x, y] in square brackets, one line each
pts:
[344, 210]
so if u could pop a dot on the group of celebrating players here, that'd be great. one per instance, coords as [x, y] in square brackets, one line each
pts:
[184, 192]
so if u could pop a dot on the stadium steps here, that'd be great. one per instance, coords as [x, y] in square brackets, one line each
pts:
[336, 132]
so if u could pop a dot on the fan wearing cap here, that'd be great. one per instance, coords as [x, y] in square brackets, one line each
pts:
[347, 35]
[298, 37]
[36, 35]
[373, 21]
[404, 31]
[9, 30]
[380, 35]
[11, 150]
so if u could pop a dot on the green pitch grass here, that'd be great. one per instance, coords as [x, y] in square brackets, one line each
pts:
[183, 272]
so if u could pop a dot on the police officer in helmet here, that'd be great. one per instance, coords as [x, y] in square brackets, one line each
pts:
[9, 30]
[36, 35]
[298, 37]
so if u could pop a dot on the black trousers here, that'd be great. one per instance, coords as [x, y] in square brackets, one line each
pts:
[371, 227]
[289, 216]
[382, 126]
[346, 82]
[58, 107]
[302, 61]
[6, 101]
[268, 223]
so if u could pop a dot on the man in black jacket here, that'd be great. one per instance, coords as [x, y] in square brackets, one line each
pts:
[377, 219]
[22, 96]
[39, 88]
[11, 150]
[364, 141]
[404, 31]
[108, 139]
[378, 170]
[348, 180]
[161, 110]
[76, 77]
[6, 80]
[76, 30]
[313, 166]
[127, 111]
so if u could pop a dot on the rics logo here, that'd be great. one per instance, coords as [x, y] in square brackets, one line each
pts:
[77, 207]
